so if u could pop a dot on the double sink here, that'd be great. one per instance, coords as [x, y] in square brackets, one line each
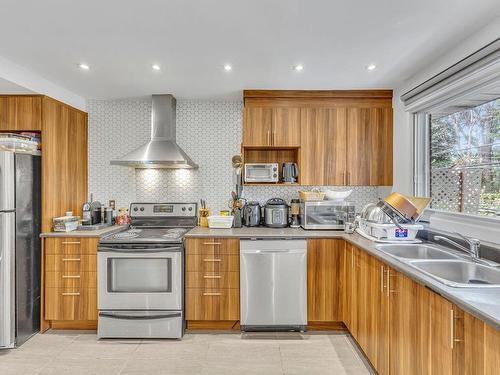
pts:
[444, 266]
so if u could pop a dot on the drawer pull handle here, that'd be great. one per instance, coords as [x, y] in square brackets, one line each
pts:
[212, 243]
[71, 294]
[71, 276]
[71, 259]
[71, 243]
[212, 294]
[212, 277]
[212, 260]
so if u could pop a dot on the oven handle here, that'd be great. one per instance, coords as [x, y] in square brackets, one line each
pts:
[139, 317]
[176, 249]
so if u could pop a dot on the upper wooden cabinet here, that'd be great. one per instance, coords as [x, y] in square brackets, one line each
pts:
[323, 146]
[369, 146]
[343, 137]
[20, 113]
[267, 126]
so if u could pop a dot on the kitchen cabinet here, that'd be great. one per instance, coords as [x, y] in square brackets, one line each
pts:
[323, 146]
[64, 149]
[369, 146]
[69, 280]
[212, 282]
[21, 113]
[268, 126]
[64, 160]
[343, 137]
[323, 280]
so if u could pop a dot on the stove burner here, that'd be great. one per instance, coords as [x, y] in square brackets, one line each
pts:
[174, 233]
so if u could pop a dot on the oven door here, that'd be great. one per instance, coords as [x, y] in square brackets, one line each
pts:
[131, 277]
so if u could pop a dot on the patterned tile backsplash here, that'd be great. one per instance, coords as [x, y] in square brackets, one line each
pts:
[209, 131]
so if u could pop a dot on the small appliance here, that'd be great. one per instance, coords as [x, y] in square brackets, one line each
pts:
[261, 172]
[295, 213]
[290, 172]
[252, 214]
[140, 273]
[330, 215]
[276, 213]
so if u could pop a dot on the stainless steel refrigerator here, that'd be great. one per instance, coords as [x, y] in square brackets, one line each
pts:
[19, 247]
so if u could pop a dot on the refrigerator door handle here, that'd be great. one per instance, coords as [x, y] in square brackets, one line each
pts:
[7, 181]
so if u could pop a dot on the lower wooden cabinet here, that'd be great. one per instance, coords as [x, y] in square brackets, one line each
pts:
[212, 282]
[323, 281]
[69, 282]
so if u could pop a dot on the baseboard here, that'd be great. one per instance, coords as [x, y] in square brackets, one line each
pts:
[326, 326]
[74, 324]
[207, 325]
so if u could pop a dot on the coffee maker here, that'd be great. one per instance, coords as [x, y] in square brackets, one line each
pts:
[294, 213]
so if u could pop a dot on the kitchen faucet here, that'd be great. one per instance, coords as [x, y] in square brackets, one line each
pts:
[473, 243]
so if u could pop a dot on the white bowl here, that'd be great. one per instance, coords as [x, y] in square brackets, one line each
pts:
[337, 195]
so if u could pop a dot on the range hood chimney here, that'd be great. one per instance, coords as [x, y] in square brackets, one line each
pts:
[161, 151]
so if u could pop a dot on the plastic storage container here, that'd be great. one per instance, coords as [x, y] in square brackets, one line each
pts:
[220, 222]
[391, 231]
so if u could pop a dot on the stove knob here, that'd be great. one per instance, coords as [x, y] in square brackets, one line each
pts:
[183, 208]
[135, 208]
[190, 208]
[142, 208]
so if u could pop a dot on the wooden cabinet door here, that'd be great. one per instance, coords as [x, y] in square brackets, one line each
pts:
[323, 146]
[351, 302]
[477, 346]
[257, 126]
[64, 162]
[286, 127]
[20, 113]
[323, 280]
[369, 146]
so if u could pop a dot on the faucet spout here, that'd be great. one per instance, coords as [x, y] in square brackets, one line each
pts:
[473, 243]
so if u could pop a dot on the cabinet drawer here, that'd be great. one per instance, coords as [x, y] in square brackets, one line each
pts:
[212, 246]
[70, 246]
[212, 304]
[70, 303]
[71, 263]
[212, 263]
[212, 280]
[71, 279]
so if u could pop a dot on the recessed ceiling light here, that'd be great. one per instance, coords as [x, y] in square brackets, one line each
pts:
[156, 67]
[84, 66]
[371, 67]
[298, 68]
[227, 67]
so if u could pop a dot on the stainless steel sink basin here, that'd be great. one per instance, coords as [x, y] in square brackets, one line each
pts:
[416, 251]
[458, 273]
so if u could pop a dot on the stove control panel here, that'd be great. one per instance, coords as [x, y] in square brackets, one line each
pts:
[163, 209]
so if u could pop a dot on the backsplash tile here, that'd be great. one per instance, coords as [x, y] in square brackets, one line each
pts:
[209, 131]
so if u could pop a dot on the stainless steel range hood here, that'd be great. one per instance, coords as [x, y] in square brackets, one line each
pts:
[161, 151]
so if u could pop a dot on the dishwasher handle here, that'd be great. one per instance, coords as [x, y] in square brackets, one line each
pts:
[270, 252]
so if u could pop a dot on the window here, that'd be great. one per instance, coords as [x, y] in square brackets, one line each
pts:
[465, 160]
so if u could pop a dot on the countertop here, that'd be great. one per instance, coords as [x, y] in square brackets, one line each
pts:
[87, 233]
[483, 303]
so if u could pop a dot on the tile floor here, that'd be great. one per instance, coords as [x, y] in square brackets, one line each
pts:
[78, 353]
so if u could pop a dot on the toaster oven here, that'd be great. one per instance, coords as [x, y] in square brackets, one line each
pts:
[261, 172]
[326, 214]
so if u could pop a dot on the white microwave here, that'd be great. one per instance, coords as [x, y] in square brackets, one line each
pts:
[261, 172]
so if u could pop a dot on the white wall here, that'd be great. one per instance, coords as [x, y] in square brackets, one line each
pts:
[209, 131]
[403, 140]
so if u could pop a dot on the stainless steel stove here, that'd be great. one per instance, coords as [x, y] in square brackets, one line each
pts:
[140, 273]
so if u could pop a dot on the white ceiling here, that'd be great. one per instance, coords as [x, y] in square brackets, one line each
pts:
[262, 39]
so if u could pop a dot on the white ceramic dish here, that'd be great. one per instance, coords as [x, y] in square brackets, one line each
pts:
[337, 195]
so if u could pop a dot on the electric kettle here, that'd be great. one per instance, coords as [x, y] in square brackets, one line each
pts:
[290, 172]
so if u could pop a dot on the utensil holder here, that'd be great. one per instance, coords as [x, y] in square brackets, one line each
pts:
[204, 213]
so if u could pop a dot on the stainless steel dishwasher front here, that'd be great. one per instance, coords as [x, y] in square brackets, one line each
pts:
[273, 282]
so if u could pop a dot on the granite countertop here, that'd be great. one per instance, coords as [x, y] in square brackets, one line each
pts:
[87, 233]
[483, 303]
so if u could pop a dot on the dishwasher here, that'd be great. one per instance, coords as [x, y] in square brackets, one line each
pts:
[273, 283]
